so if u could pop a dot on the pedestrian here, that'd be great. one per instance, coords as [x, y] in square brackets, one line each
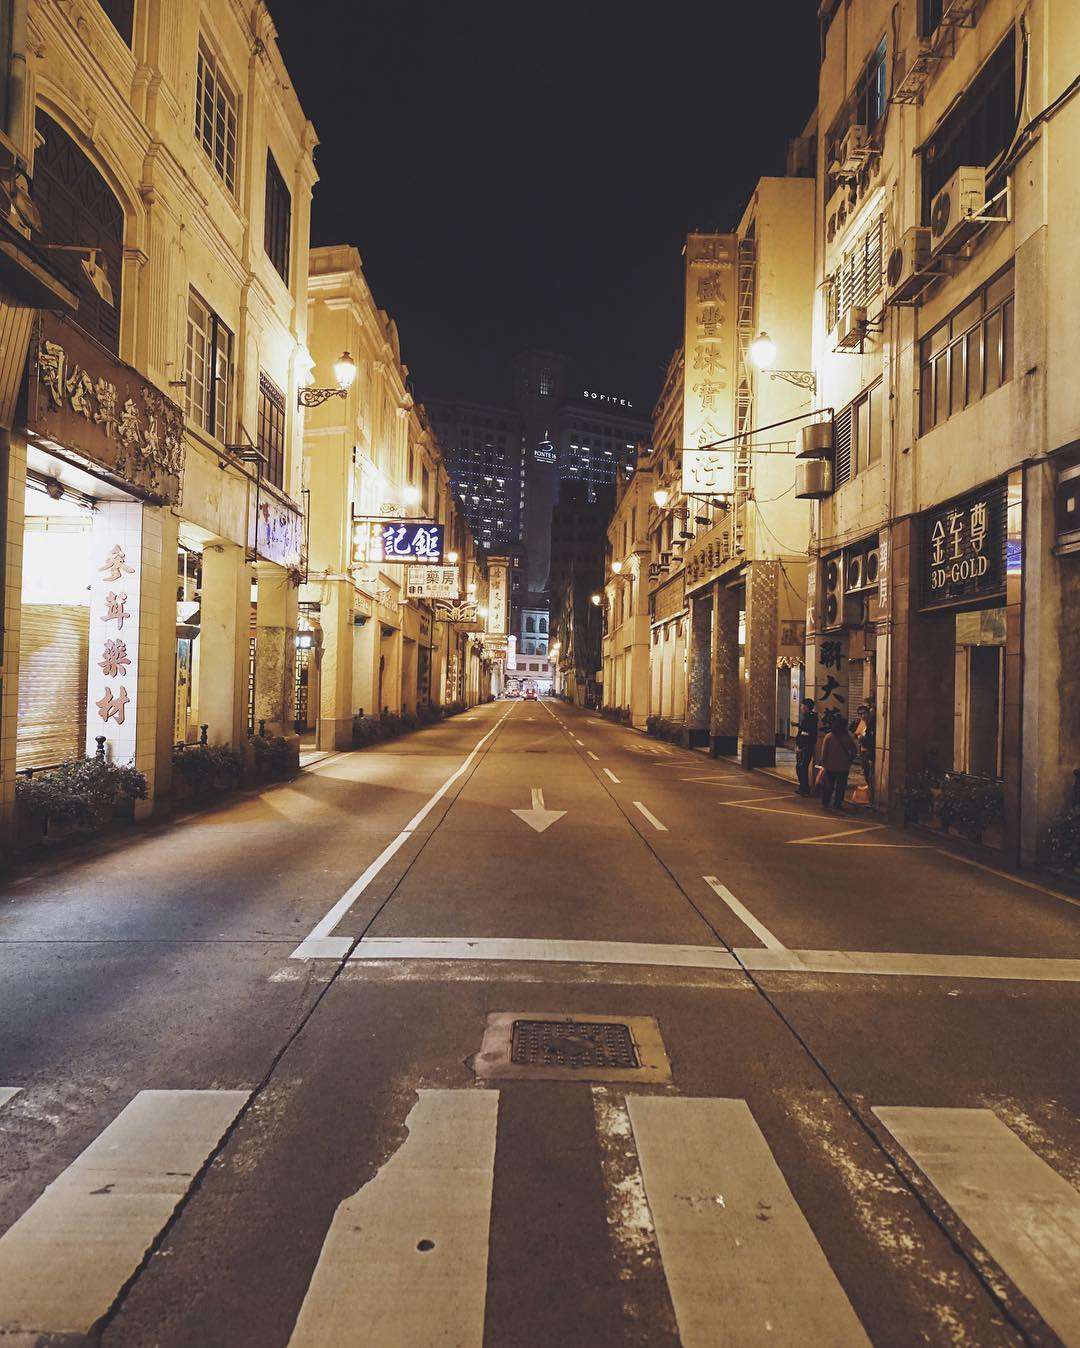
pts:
[838, 751]
[805, 744]
[865, 736]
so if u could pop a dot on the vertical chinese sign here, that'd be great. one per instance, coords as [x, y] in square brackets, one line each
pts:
[498, 592]
[709, 373]
[113, 671]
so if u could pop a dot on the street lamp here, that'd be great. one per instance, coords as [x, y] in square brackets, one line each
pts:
[451, 557]
[344, 374]
[616, 567]
[411, 495]
[661, 496]
[597, 600]
[762, 353]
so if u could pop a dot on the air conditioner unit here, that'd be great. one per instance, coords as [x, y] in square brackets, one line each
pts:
[903, 275]
[816, 440]
[855, 573]
[831, 593]
[851, 329]
[852, 151]
[871, 568]
[813, 479]
[951, 210]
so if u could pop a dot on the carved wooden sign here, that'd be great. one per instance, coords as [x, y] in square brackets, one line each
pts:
[95, 409]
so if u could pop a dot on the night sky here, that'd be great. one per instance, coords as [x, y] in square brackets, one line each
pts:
[522, 174]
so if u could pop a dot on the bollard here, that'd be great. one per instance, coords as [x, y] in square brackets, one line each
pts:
[99, 740]
[203, 729]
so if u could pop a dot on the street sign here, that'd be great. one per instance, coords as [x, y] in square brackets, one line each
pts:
[432, 582]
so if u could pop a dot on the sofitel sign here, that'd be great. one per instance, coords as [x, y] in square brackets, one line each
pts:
[963, 549]
[606, 398]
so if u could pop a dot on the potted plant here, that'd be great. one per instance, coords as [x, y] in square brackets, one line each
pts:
[80, 795]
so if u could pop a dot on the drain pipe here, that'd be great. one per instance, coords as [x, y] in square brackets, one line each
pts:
[15, 74]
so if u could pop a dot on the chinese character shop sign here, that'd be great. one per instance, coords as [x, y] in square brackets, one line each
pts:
[113, 668]
[393, 541]
[88, 405]
[432, 582]
[963, 549]
[709, 377]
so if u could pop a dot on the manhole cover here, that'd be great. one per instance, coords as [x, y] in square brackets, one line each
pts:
[586, 1046]
[572, 1043]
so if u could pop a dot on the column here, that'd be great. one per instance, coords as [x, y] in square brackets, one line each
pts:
[758, 719]
[275, 649]
[225, 627]
[165, 525]
[699, 670]
[724, 716]
[336, 676]
[13, 483]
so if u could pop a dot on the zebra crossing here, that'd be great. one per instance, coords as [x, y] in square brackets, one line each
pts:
[405, 1257]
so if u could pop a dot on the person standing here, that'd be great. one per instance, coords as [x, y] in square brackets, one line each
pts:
[838, 751]
[864, 734]
[805, 744]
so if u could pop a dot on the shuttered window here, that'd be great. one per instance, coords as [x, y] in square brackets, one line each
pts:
[278, 219]
[272, 429]
[860, 274]
[842, 442]
[53, 654]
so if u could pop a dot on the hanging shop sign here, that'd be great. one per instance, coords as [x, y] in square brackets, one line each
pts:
[464, 616]
[113, 667]
[102, 414]
[275, 530]
[709, 378]
[962, 549]
[388, 540]
[498, 593]
[432, 582]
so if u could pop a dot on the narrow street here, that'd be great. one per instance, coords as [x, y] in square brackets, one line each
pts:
[247, 1098]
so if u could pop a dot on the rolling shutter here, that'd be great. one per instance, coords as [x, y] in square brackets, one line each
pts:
[53, 653]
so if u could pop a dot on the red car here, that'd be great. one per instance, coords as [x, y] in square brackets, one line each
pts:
[530, 694]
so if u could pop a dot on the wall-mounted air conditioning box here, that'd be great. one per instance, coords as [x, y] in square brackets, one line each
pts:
[850, 330]
[851, 151]
[963, 196]
[816, 440]
[813, 479]
[907, 262]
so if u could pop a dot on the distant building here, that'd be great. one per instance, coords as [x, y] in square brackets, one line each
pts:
[578, 546]
[482, 447]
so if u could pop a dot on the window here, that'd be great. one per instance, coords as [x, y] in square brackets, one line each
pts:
[979, 127]
[271, 442]
[278, 224]
[969, 354]
[121, 13]
[215, 116]
[209, 368]
[869, 97]
[858, 434]
[859, 276]
[78, 206]
[547, 383]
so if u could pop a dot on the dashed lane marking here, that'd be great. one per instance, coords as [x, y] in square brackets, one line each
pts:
[660, 828]
[1024, 1213]
[595, 757]
[744, 914]
[609, 773]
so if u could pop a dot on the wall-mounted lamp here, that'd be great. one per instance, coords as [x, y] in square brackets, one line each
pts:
[762, 353]
[344, 374]
[616, 567]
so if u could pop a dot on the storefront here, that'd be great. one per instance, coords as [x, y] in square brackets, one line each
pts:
[104, 460]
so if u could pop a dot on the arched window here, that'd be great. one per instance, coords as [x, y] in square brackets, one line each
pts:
[78, 207]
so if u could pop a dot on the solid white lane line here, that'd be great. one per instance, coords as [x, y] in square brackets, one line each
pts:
[319, 943]
[561, 952]
[405, 1260]
[744, 915]
[65, 1259]
[610, 774]
[1024, 1213]
[662, 828]
[7, 1092]
[741, 1262]
[595, 757]
[888, 964]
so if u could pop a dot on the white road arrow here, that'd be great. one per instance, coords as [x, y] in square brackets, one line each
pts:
[539, 818]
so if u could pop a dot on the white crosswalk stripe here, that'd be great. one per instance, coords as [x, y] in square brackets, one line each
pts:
[405, 1261]
[1023, 1212]
[741, 1261]
[65, 1259]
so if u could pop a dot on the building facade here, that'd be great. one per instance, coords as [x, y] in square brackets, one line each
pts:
[153, 521]
[626, 637]
[946, 574]
[383, 639]
[578, 548]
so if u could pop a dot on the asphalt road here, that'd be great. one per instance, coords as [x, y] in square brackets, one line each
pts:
[246, 1097]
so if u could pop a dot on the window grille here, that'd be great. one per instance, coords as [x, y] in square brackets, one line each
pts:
[842, 441]
[215, 116]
